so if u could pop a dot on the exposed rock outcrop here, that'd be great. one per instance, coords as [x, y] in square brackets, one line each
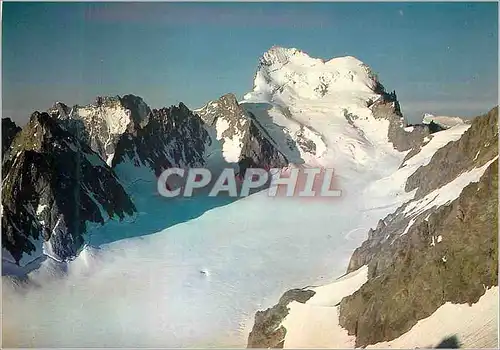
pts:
[102, 123]
[171, 137]
[53, 185]
[259, 150]
[477, 145]
[126, 129]
[267, 331]
[9, 132]
[387, 107]
[449, 253]
[450, 256]
[244, 140]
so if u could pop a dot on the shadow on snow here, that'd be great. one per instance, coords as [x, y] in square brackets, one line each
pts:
[154, 214]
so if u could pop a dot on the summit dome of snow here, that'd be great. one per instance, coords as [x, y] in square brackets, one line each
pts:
[283, 55]
[327, 108]
[288, 71]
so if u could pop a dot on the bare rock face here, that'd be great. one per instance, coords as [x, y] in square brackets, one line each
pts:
[172, 137]
[449, 253]
[387, 107]
[9, 132]
[126, 129]
[102, 123]
[244, 140]
[452, 256]
[267, 331]
[259, 150]
[476, 146]
[226, 108]
[53, 185]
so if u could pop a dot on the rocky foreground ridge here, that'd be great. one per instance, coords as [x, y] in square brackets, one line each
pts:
[421, 256]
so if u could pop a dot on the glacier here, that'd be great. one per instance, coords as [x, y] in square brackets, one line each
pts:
[193, 272]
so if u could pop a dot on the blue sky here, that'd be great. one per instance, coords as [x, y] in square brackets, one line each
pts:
[439, 57]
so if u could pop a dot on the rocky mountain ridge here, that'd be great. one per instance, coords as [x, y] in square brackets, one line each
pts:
[102, 123]
[441, 253]
[9, 132]
[52, 185]
[109, 139]
[428, 252]
[70, 169]
[127, 134]
[243, 139]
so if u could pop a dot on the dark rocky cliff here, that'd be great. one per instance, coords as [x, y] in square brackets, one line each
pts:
[172, 137]
[9, 132]
[53, 185]
[258, 149]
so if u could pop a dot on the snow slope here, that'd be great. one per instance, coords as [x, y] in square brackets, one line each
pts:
[390, 191]
[297, 92]
[444, 121]
[199, 281]
[314, 324]
[475, 326]
[249, 262]
[445, 194]
[156, 278]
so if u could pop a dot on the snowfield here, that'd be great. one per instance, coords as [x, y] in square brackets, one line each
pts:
[443, 121]
[474, 326]
[192, 273]
[150, 291]
[314, 324]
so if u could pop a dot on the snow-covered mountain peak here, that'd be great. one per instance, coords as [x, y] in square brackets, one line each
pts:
[104, 121]
[280, 55]
[117, 112]
[336, 110]
[285, 73]
[225, 107]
